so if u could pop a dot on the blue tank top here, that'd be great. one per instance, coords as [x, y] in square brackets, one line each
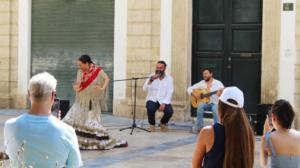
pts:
[281, 161]
[214, 158]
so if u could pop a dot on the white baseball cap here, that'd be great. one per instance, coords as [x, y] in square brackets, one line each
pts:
[234, 93]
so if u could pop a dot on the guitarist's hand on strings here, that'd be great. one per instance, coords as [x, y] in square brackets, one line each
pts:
[197, 96]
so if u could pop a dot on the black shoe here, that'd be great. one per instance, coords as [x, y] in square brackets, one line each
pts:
[122, 144]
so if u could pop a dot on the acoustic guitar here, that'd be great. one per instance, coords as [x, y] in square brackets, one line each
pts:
[204, 96]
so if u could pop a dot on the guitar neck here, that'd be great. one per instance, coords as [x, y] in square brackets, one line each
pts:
[209, 94]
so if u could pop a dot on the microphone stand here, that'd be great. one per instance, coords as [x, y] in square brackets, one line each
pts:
[133, 125]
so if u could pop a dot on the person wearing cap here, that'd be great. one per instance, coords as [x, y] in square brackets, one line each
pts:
[281, 143]
[211, 84]
[229, 143]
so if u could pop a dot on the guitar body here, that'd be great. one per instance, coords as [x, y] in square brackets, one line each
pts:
[203, 99]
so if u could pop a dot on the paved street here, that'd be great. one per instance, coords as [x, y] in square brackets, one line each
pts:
[145, 150]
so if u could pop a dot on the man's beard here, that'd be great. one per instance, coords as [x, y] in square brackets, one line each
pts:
[207, 79]
[160, 73]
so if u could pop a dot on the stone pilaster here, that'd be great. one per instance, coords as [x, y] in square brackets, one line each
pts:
[8, 50]
[270, 50]
[143, 46]
[297, 69]
[181, 56]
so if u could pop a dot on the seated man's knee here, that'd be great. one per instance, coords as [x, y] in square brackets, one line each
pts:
[168, 109]
[201, 106]
[151, 107]
[214, 108]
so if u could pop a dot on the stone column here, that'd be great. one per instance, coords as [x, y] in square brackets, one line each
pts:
[297, 67]
[270, 50]
[143, 47]
[8, 50]
[181, 56]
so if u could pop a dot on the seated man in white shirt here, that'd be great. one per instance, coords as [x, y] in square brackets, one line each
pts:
[160, 89]
[210, 84]
[38, 139]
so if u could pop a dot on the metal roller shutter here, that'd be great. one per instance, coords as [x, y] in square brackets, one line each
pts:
[62, 30]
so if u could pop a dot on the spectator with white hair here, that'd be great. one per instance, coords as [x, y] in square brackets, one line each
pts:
[38, 139]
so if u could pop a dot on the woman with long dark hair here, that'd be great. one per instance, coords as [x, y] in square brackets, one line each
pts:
[230, 143]
[84, 115]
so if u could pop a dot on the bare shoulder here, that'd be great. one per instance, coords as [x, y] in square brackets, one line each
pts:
[207, 132]
[207, 128]
[295, 145]
[296, 134]
[207, 137]
[102, 72]
[296, 140]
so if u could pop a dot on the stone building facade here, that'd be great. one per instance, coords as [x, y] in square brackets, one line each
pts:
[147, 31]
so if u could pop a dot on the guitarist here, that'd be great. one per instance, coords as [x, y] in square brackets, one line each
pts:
[211, 85]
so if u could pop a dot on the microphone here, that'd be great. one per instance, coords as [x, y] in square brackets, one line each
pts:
[155, 76]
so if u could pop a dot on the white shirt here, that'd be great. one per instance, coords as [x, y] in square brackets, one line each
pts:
[160, 90]
[216, 85]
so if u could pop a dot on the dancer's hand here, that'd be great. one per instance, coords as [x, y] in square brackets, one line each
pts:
[76, 88]
[162, 107]
[99, 88]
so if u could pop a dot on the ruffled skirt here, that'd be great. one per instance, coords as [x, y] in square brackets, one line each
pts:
[90, 132]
